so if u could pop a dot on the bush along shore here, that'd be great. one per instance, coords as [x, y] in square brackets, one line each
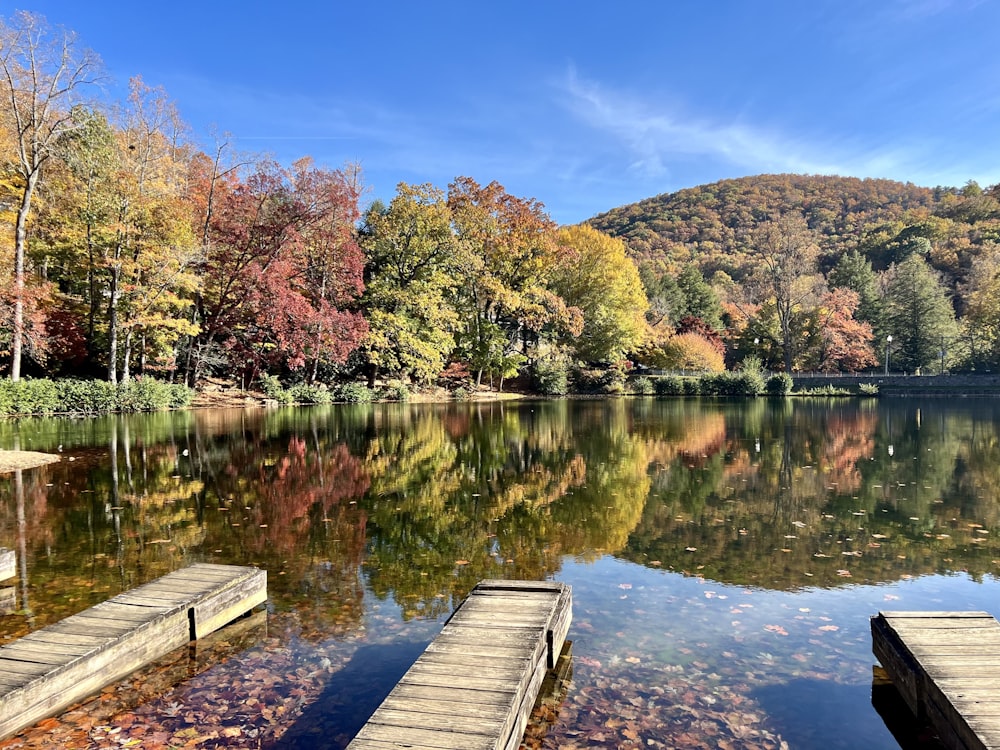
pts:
[72, 397]
[87, 397]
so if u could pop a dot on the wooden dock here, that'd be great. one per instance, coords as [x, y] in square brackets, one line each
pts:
[51, 668]
[946, 667]
[475, 685]
[8, 564]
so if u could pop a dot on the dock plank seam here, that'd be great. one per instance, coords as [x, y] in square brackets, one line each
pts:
[86, 651]
[475, 685]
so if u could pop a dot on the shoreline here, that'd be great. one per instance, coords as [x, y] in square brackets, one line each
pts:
[11, 461]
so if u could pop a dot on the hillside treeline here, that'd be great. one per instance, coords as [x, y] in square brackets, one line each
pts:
[818, 272]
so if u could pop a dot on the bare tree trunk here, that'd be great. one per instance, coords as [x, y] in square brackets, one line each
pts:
[113, 326]
[20, 241]
[127, 357]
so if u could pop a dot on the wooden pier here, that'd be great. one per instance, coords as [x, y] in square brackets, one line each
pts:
[53, 667]
[475, 685]
[8, 564]
[946, 667]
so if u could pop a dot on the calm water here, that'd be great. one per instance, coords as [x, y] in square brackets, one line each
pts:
[725, 558]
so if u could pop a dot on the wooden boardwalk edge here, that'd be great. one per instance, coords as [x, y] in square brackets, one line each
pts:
[946, 668]
[51, 668]
[476, 684]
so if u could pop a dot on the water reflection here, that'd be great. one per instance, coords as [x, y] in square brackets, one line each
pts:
[372, 517]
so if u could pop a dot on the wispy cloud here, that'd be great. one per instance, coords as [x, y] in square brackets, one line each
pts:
[918, 10]
[654, 135]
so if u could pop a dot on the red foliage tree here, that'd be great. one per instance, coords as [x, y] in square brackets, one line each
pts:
[843, 343]
[281, 267]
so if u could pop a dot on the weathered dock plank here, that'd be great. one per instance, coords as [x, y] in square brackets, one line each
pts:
[51, 668]
[474, 686]
[8, 564]
[946, 667]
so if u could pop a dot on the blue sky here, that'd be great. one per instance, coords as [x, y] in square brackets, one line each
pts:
[582, 105]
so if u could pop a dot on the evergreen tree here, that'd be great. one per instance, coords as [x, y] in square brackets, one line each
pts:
[918, 314]
[700, 300]
[853, 271]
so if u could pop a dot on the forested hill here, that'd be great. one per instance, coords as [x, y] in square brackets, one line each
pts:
[709, 223]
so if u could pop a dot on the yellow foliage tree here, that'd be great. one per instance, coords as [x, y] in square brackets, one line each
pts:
[595, 273]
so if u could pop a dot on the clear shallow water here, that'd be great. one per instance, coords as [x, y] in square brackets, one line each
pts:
[725, 557]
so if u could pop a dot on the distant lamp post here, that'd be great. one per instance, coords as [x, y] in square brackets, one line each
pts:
[888, 344]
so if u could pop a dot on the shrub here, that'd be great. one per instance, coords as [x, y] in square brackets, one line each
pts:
[274, 390]
[32, 397]
[180, 396]
[40, 397]
[691, 386]
[826, 390]
[144, 394]
[88, 396]
[551, 377]
[73, 396]
[303, 393]
[641, 386]
[742, 383]
[668, 386]
[395, 390]
[779, 384]
[354, 393]
[6, 397]
[868, 389]
[610, 381]
[461, 394]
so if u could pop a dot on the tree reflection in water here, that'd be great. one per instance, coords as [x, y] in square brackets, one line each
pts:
[374, 521]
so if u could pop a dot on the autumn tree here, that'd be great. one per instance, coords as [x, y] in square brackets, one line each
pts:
[839, 341]
[854, 271]
[79, 216]
[148, 264]
[595, 274]
[919, 315]
[686, 351]
[330, 258]
[42, 72]
[785, 253]
[506, 250]
[410, 279]
[981, 326]
[269, 300]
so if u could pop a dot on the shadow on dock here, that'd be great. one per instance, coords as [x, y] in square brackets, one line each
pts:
[350, 697]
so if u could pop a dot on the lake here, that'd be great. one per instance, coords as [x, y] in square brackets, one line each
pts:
[725, 557]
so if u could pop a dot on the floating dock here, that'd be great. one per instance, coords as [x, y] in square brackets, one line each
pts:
[8, 564]
[946, 667]
[53, 667]
[475, 685]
